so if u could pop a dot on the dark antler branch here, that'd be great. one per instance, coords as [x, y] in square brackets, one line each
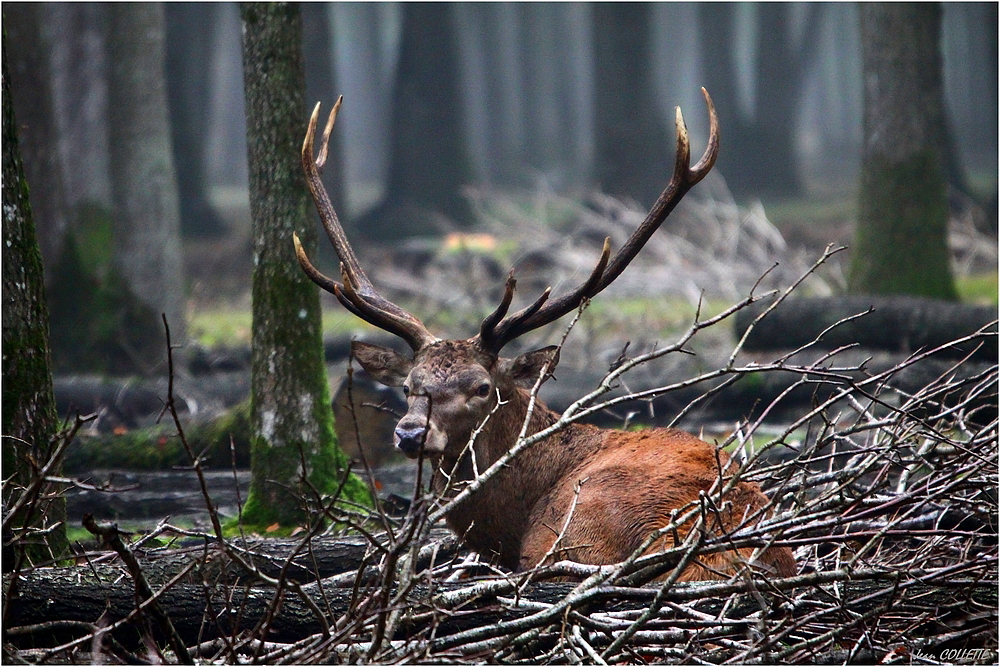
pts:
[497, 330]
[357, 293]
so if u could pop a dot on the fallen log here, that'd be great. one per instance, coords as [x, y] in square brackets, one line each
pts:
[895, 323]
[207, 610]
[753, 392]
[324, 556]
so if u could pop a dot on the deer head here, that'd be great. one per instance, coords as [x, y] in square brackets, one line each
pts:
[452, 385]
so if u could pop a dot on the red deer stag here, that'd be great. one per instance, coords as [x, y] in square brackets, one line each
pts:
[601, 493]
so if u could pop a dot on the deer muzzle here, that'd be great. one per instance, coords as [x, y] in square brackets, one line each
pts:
[409, 440]
[416, 431]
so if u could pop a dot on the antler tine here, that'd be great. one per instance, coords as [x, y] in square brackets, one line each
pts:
[498, 334]
[357, 293]
[508, 294]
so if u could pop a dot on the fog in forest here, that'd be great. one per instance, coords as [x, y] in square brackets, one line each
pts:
[448, 103]
[527, 90]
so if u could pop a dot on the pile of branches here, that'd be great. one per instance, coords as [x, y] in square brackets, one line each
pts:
[888, 498]
[710, 247]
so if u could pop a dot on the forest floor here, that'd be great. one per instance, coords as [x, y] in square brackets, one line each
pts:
[731, 246]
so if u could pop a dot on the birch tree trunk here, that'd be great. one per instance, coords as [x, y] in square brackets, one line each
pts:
[291, 416]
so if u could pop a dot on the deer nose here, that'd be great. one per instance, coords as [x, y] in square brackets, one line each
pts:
[410, 440]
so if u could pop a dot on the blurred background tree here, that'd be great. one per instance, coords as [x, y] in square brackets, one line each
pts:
[190, 27]
[146, 274]
[629, 129]
[428, 160]
[901, 238]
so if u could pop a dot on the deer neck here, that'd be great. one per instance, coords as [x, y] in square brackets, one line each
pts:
[520, 484]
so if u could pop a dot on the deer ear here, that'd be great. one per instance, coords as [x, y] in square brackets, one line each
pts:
[524, 369]
[385, 365]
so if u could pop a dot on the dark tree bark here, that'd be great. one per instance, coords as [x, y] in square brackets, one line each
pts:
[634, 157]
[29, 418]
[31, 78]
[189, 32]
[759, 157]
[717, 32]
[291, 418]
[428, 163]
[146, 215]
[489, 37]
[322, 86]
[781, 70]
[78, 36]
[900, 244]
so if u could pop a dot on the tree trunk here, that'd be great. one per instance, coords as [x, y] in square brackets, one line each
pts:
[634, 157]
[771, 165]
[189, 31]
[29, 418]
[428, 163]
[717, 33]
[146, 215]
[77, 34]
[291, 418]
[322, 86]
[900, 242]
[32, 79]
[759, 155]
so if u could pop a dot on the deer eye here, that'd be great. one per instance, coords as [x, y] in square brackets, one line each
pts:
[483, 390]
[406, 390]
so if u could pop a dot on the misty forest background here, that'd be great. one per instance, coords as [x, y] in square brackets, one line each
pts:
[520, 96]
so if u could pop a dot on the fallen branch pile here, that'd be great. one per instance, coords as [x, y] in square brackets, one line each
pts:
[888, 497]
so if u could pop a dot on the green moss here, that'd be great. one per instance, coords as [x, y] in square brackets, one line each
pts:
[288, 371]
[158, 447]
[901, 237]
[28, 405]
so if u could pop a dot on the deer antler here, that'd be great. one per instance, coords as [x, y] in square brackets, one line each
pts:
[498, 330]
[357, 293]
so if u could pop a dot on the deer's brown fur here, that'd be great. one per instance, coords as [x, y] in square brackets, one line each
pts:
[585, 494]
[604, 491]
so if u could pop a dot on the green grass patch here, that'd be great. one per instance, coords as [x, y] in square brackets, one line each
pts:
[221, 327]
[664, 315]
[231, 327]
[785, 213]
[980, 288]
